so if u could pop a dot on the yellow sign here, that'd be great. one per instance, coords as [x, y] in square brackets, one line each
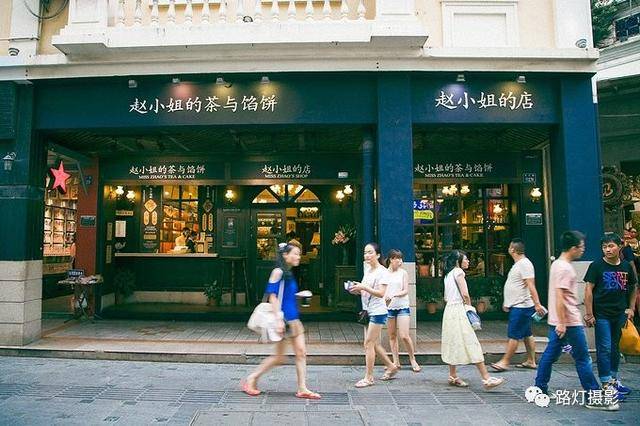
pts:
[423, 214]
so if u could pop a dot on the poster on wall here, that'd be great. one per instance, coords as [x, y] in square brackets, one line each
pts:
[151, 220]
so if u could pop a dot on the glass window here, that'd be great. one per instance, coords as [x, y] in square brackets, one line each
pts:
[180, 210]
[473, 218]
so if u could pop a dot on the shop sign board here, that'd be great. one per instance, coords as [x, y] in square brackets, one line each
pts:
[150, 170]
[533, 219]
[298, 169]
[499, 167]
[483, 100]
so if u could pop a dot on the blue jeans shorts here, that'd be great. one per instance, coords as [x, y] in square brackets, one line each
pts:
[520, 323]
[378, 319]
[402, 312]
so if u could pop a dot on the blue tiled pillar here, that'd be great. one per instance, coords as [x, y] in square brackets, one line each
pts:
[394, 165]
[575, 166]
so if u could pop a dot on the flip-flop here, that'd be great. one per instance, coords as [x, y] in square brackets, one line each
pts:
[308, 395]
[527, 366]
[497, 368]
[251, 392]
[364, 383]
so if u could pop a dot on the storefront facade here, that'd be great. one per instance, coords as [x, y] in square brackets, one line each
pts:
[393, 121]
[408, 193]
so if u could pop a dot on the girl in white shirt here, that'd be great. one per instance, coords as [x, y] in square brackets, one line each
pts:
[397, 298]
[460, 345]
[372, 290]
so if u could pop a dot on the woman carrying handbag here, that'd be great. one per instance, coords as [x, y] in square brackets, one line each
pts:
[460, 345]
[282, 282]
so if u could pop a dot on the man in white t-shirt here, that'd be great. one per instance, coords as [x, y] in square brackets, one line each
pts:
[521, 301]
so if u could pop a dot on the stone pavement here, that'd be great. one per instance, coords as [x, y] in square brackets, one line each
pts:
[42, 391]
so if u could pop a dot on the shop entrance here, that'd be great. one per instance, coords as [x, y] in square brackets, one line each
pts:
[287, 213]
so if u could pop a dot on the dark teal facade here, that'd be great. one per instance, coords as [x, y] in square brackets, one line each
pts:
[389, 107]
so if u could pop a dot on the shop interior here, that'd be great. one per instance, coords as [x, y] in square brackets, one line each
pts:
[479, 218]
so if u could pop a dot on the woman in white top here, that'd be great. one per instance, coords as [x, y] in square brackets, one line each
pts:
[460, 345]
[372, 290]
[399, 318]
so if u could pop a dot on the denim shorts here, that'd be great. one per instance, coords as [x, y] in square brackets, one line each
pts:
[378, 319]
[520, 323]
[402, 312]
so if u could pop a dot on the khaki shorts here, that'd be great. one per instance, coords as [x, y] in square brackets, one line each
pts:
[293, 329]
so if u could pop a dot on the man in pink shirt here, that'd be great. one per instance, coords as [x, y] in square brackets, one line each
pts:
[565, 322]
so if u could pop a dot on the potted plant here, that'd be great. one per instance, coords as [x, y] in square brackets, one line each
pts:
[430, 295]
[496, 292]
[343, 236]
[124, 282]
[478, 289]
[213, 292]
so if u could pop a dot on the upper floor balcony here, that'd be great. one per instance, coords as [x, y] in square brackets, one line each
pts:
[145, 29]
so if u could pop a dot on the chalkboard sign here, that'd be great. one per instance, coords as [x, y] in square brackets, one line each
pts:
[230, 232]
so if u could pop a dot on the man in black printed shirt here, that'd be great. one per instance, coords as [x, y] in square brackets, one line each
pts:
[609, 301]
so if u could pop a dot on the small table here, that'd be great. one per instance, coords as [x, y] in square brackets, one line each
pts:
[81, 289]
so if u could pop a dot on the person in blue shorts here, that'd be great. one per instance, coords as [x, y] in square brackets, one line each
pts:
[521, 300]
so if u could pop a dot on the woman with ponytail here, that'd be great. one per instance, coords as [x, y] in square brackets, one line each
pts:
[460, 345]
[289, 325]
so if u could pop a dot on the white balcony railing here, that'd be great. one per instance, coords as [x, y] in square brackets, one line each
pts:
[137, 27]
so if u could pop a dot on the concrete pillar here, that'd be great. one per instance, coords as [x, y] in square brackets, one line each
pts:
[22, 193]
[394, 171]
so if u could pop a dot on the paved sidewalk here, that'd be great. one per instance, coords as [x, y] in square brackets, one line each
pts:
[40, 391]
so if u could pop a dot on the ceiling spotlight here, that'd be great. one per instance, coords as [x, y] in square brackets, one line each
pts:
[133, 84]
[347, 190]
[229, 194]
[131, 195]
[265, 80]
[175, 80]
[119, 190]
[521, 79]
[340, 195]
[220, 81]
[460, 78]
[464, 190]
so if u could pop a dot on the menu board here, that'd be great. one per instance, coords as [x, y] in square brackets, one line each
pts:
[151, 220]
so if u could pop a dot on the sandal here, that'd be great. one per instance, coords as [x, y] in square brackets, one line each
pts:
[493, 382]
[249, 391]
[389, 374]
[458, 382]
[364, 383]
[308, 395]
[527, 366]
[416, 369]
[498, 368]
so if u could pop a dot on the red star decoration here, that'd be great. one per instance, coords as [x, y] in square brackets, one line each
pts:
[60, 177]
